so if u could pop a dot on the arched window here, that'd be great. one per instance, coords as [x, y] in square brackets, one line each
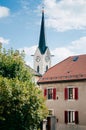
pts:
[38, 69]
[46, 67]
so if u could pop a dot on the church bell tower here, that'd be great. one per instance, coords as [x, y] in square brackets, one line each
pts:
[42, 56]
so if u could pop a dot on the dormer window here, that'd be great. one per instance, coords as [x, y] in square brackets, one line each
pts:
[75, 58]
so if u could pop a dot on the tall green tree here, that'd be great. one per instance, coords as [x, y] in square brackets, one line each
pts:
[22, 106]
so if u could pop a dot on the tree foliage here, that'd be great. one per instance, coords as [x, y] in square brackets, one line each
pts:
[22, 106]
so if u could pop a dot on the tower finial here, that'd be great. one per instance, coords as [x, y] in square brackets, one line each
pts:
[42, 8]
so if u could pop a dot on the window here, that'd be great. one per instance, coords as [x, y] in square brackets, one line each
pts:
[71, 93]
[75, 58]
[38, 69]
[46, 67]
[71, 117]
[51, 112]
[50, 93]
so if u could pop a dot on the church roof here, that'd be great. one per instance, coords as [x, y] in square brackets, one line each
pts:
[71, 69]
[33, 72]
[42, 43]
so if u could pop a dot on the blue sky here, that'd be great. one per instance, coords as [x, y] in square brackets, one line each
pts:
[65, 26]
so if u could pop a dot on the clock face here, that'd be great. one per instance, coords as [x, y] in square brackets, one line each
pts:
[47, 58]
[38, 58]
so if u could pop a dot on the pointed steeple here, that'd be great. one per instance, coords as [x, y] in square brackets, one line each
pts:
[42, 43]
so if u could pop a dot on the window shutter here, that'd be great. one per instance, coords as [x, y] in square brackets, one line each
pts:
[76, 117]
[76, 93]
[45, 92]
[54, 93]
[66, 93]
[66, 116]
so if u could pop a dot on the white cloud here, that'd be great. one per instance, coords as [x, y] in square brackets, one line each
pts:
[79, 45]
[4, 11]
[66, 15]
[25, 4]
[28, 52]
[76, 47]
[4, 41]
[60, 54]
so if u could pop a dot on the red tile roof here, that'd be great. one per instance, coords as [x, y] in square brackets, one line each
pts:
[72, 68]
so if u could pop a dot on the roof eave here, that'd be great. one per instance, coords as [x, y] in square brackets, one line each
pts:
[60, 81]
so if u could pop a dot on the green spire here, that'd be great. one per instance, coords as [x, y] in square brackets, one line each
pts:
[42, 44]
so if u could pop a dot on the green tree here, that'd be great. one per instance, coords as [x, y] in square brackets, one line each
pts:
[22, 106]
